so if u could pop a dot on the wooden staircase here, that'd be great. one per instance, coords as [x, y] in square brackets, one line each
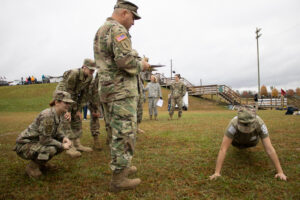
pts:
[222, 91]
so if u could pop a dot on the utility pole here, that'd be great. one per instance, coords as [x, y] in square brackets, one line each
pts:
[171, 69]
[258, 74]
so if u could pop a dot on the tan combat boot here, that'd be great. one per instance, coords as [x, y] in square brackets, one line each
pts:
[73, 152]
[97, 145]
[120, 182]
[33, 170]
[155, 118]
[140, 131]
[80, 147]
[130, 170]
[150, 117]
[170, 117]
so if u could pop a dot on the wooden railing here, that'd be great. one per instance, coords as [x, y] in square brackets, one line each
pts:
[223, 91]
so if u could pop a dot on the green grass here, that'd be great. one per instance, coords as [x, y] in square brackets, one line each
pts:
[24, 98]
[174, 160]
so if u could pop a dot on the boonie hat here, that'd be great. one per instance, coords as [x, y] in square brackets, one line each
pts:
[246, 119]
[89, 63]
[63, 96]
[128, 6]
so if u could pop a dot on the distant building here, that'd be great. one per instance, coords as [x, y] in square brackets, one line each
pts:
[55, 79]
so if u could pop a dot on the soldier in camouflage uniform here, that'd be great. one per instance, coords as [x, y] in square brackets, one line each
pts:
[118, 67]
[46, 137]
[76, 82]
[153, 95]
[244, 131]
[178, 90]
[94, 107]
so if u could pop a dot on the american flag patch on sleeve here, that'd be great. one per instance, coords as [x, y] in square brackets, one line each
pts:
[121, 37]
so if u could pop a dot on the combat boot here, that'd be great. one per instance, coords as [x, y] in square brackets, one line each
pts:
[150, 117]
[33, 170]
[155, 118]
[130, 170]
[120, 182]
[80, 147]
[73, 152]
[170, 117]
[97, 145]
[140, 131]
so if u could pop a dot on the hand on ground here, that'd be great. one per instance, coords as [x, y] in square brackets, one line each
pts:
[281, 176]
[214, 176]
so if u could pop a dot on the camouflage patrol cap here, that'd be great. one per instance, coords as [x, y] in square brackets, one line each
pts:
[63, 96]
[246, 119]
[128, 6]
[89, 63]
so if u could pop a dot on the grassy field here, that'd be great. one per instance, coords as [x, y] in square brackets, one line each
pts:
[174, 158]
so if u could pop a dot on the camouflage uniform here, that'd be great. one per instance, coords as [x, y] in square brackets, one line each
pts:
[94, 106]
[119, 66]
[77, 84]
[140, 99]
[178, 90]
[153, 95]
[43, 138]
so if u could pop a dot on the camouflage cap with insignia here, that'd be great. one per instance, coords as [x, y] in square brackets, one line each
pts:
[63, 96]
[128, 6]
[89, 63]
[246, 118]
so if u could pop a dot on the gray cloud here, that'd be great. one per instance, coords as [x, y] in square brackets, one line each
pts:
[209, 40]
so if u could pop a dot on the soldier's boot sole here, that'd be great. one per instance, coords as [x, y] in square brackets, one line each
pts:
[126, 184]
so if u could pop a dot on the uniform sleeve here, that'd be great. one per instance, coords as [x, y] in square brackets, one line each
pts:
[46, 130]
[126, 58]
[64, 129]
[71, 88]
[159, 90]
[262, 128]
[183, 89]
[231, 129]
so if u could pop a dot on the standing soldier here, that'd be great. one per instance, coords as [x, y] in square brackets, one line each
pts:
[118, 67]
[153, 95]
[94, 107]
[46, 137]
[76, 82]
[178, 90]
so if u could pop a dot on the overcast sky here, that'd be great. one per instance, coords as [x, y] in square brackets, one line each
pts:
[209, 40]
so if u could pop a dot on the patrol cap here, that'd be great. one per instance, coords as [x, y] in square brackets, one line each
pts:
[63, 96]
[89, 63]
[246, 119]
[128, 6]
